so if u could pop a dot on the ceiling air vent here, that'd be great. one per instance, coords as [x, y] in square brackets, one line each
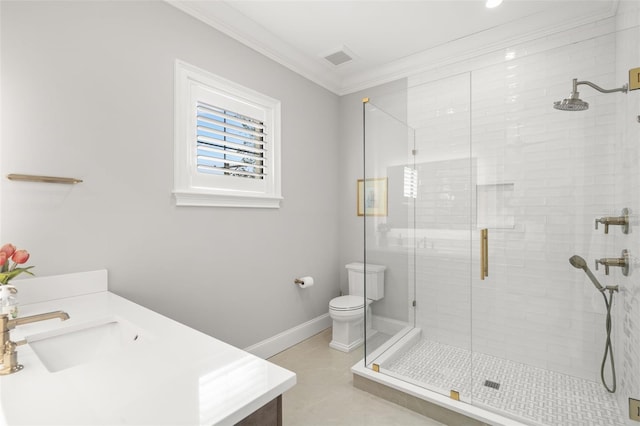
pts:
[338, 58]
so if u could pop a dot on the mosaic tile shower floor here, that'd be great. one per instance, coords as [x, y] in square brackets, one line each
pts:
[534, 395]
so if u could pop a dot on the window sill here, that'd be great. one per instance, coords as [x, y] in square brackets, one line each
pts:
[200, 199]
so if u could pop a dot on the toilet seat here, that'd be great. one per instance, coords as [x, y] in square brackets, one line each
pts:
[347, 303]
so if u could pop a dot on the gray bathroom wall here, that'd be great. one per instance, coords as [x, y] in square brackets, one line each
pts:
[87, 92]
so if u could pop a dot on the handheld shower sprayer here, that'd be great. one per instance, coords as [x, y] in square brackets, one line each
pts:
[574, 103]
[579, 263]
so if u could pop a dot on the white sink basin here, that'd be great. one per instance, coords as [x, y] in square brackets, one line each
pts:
[81, 343]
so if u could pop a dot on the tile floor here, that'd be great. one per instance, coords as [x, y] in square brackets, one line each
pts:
[531, 394]
[324, 394]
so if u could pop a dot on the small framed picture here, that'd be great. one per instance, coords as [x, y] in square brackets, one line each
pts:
[372, 197]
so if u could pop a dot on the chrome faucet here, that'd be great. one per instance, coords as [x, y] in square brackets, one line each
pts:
[622, 262]
[9, 355]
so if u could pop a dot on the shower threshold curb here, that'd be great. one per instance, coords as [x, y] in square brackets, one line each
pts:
[435, 405]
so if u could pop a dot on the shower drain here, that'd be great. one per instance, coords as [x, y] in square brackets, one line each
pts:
[490, 384]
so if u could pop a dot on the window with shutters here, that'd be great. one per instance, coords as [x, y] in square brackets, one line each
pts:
[227, 142]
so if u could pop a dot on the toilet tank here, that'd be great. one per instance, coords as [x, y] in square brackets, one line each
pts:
[374, 280]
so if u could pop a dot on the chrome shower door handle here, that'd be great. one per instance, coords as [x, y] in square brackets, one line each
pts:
[484, 253]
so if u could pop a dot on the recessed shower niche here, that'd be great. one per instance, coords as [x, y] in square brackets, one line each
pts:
[493, 206]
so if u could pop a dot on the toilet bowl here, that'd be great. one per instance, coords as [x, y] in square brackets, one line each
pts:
[348, 312]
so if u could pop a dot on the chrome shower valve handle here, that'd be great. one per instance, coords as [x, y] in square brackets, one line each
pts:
[621, 262]
[622, 220]
[606, 228]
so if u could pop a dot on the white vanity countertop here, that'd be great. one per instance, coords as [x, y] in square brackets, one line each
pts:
[170, 375]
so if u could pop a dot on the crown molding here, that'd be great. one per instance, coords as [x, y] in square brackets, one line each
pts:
[481, 43]
[259, 39]
[497, 39]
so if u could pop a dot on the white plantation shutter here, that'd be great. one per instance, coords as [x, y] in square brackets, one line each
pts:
[227, 144]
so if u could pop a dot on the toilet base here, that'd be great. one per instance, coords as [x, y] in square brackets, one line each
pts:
[349, 336]
[346, 348]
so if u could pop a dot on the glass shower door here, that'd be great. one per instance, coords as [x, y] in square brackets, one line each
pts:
[425, 240]
[445, 258]
[542, 177]
[387, 204]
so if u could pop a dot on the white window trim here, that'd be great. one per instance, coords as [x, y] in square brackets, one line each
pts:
[188, 188]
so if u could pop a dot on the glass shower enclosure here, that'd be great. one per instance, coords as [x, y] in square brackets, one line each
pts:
[476, 194]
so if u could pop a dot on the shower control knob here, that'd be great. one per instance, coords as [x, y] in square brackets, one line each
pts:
[606, 228]
[603, 261]
[621, 262]
[622, 220]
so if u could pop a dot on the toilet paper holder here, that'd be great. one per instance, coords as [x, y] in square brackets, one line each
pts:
[303, 282]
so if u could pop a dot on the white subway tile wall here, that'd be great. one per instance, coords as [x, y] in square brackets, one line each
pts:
[534, 307]
[562, 172]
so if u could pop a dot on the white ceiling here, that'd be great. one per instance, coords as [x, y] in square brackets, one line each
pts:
[388, 39]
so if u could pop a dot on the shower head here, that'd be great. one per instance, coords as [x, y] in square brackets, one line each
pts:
[574, 103]
[579, 263]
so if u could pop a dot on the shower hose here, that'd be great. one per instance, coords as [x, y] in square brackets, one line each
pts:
[608, 350]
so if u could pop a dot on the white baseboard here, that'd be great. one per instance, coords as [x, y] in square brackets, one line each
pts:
[387, 325]
[278, 343]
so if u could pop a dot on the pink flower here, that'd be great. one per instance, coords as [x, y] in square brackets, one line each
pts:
[7, 271]
[8, 250]
[20, 256]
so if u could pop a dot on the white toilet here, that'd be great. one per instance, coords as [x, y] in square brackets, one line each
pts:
[347, 312]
